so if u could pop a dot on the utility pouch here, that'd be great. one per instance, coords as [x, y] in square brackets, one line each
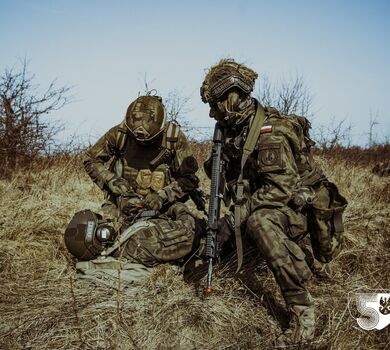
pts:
[326, 222]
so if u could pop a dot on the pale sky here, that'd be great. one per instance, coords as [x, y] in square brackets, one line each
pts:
[103, 48]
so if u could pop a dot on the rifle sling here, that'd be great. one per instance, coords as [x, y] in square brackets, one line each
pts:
[250, 143]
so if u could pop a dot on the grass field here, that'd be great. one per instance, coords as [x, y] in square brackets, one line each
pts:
[43, 307]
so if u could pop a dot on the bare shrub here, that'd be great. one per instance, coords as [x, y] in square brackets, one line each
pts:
[335, 134]
[356, 155]
[177, 107]
[24, 131]
[176, 104]
[288, 96]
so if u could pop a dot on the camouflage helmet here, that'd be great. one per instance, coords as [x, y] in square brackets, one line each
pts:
[224, 76]
[86, 237]
[146, 117]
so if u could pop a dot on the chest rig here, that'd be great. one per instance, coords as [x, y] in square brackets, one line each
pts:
[147, 166]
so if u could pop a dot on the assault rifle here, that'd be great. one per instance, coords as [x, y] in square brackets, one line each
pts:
[216, 194]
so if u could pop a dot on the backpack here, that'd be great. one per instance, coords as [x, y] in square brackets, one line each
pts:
[324, 215]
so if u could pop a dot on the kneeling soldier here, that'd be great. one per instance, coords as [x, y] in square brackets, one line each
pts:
[272, 180]
[146, 169]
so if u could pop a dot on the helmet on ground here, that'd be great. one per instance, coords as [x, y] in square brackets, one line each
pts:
[226, 88]
[85, 237]
[146, 117]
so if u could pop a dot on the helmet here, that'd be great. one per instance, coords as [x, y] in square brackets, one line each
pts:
[227, 87]
[146, 117]
[224, 76]
[85, 237]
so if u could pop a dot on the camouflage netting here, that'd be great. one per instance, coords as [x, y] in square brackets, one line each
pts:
[224, 69]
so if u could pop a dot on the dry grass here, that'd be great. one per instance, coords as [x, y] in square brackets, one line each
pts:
[42, 307]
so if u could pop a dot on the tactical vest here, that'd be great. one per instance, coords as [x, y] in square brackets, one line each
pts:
[147, 166]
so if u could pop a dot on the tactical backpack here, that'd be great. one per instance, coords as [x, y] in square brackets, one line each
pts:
[324, 215]
[325, 221]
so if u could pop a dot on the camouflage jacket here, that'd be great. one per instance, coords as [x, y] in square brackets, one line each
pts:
[280, 164]
[165, 165]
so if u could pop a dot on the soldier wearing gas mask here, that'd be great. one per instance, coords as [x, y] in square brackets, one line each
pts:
[270, 209]
[146, 169]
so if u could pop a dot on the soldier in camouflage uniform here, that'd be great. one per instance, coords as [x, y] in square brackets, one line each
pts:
[272, 210]
[144, 164]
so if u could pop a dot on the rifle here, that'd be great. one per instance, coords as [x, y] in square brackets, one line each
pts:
[216, 194]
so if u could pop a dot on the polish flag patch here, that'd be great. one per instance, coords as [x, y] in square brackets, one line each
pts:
[266, 129]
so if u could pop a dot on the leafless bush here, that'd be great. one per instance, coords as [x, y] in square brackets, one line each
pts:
[177, 108]
[24, 133]
[176, 104]
[289, 96]
[373, 121]
[335, 134]
[357, 155]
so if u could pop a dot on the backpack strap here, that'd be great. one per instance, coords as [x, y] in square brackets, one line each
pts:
[121, 137]
[169, 141]
[171, 136]
[250, 143]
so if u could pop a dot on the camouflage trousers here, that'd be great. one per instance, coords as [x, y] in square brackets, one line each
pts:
[169, 238]
[272, 231]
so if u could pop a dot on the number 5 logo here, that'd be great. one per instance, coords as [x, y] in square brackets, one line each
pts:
[373, 307]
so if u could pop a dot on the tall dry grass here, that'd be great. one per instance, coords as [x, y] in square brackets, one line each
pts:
[43, 307]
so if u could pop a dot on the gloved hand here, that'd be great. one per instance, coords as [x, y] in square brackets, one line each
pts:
[131, 205]
[154, 201]
[225, 227]
[301, 198]
[119, 185]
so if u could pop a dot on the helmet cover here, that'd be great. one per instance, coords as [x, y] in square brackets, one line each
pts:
[146, 117]
[224, 76]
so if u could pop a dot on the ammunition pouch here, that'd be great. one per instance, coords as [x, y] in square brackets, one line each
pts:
[326, 222]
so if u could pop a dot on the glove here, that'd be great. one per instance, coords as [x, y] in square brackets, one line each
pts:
[225, 227]
[131, 205]
[118, 185]
[301, 198]
[154, 201]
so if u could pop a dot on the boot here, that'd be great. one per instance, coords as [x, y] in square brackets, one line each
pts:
[301, 328]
